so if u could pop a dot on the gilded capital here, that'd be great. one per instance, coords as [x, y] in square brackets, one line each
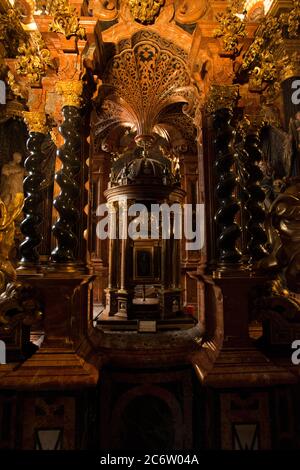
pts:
[36, 121]
[222, 96]
[71, 91]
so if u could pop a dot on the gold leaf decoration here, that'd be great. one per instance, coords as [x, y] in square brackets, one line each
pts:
[145, 11]
[12, 34]
[13, 85]
[8, 215]
[293, 20]
[261, 61]
[231, 27]
[33, 59]
[222, 96]
[66, 21]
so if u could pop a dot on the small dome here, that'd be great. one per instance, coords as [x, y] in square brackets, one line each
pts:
[141, 170]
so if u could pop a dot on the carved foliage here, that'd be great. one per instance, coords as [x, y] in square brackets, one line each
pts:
[145, 11]
[12, 35]
[66, 21]
[231, 28]
[33, 59]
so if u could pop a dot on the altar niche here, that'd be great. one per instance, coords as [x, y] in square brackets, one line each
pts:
[144, 273]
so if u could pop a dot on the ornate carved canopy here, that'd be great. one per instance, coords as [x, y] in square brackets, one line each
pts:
[147, 89]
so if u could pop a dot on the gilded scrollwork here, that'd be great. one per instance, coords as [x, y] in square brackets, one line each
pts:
[292, 19]
[259, 61]
[267, 61]
[232, 27]
[12, 34]
[14, 86]
[66, 21]
[33, 59]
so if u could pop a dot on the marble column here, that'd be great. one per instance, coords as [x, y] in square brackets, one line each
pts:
[36, 123]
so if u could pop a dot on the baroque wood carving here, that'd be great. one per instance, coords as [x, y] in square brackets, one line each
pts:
[148, 11]
[147, 88]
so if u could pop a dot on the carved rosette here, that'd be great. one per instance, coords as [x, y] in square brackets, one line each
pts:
[36, 123]
[221, 103]
[66, 202]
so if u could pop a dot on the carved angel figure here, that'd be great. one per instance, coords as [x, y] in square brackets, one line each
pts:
[12, 176]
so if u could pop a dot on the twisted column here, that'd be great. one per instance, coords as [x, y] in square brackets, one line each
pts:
[36, 123]
[66, 202]
[256, 233]
[221, 104]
